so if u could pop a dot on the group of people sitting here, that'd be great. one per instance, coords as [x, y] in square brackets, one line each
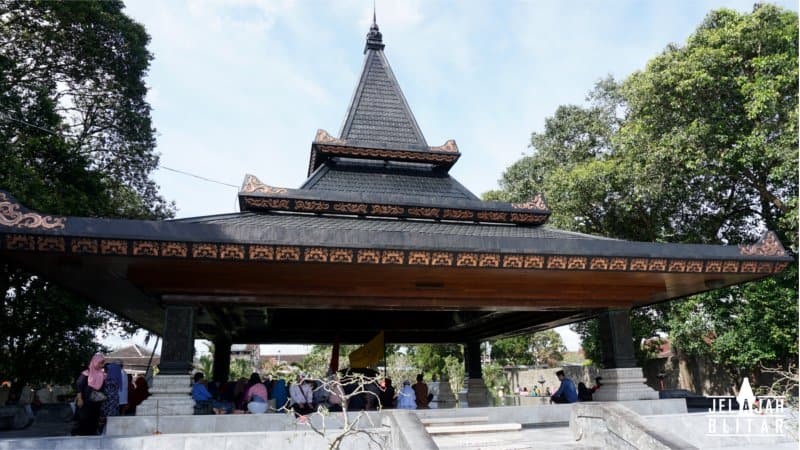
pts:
[567, 393]
[352, 391]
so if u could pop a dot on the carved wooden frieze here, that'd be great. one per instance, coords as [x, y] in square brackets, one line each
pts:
[420, 257]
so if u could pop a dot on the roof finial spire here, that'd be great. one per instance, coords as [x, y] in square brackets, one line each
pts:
[374, 37]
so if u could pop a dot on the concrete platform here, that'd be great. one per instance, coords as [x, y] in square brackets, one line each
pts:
[549, 414]
[525, 415]
[285, 440]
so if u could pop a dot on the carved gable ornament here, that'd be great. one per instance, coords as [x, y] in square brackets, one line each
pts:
[769, 245]
[12, 214]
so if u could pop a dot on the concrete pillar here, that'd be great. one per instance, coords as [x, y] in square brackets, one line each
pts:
[622, 379]
[477, 394]
[170, 394]
[222, 358]
[615, 328]
[446, 398]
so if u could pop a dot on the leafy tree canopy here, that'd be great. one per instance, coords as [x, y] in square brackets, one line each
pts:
[75, 139]
[543, 348]
[699, 147]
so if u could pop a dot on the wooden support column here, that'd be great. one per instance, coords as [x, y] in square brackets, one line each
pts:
[222, 358]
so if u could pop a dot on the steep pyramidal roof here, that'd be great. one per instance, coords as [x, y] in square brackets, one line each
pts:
[379, 114]
[381, 165]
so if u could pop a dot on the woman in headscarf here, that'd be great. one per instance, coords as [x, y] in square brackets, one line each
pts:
[280, 394]
[137, 395]
[256, 395]
[111, 388]
[90, 397]
[406, 399]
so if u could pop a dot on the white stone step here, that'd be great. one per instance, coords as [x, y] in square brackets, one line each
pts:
[558, 438]
[468, 429]
[454, 420]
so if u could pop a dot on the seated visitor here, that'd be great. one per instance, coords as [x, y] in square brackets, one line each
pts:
[138, 393]
[584, 394]
[421, 393]
[302, 396]
[372, 391]
[387, 394]
[256, 395]
[335, 396]
[239, 389]
[350, 384]
[566, 393]
[597, 384]
[280, 394]
[200, 394]
[203, 399]
[406, 399]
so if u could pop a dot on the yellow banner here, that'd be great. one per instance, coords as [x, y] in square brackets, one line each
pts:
[369, 354]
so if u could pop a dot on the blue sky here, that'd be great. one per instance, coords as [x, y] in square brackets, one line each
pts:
[241, 86]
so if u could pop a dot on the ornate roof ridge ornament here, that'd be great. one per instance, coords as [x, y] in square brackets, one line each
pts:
[323, 137]
[536, 202]
[14, 215]
[449, 146]
[374, 36]
[768, 245]
[253, 185]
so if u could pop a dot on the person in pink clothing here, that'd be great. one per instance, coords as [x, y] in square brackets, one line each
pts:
[256, 395]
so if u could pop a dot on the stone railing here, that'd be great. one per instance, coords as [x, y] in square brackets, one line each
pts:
[611, 425]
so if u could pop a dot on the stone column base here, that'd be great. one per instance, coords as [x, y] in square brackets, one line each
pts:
[170, 395]
[624, 384]
[477, 394]
[445, 399]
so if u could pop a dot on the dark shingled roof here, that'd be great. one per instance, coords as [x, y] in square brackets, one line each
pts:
[317, 222]
[359, 176]
[379, 113]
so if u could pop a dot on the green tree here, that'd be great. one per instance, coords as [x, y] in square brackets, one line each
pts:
[75, 139]
[205, 364]
[721, 112]
[240, 368]
[542, 348]
[700, 147]
[431, 359]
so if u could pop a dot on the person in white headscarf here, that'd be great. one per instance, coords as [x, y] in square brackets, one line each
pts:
[406, 399]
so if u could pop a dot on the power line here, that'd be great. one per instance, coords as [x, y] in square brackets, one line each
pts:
[197, 176]
[8, 116]
[160, 166]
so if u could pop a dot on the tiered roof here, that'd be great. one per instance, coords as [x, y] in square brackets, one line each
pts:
[381, 165]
